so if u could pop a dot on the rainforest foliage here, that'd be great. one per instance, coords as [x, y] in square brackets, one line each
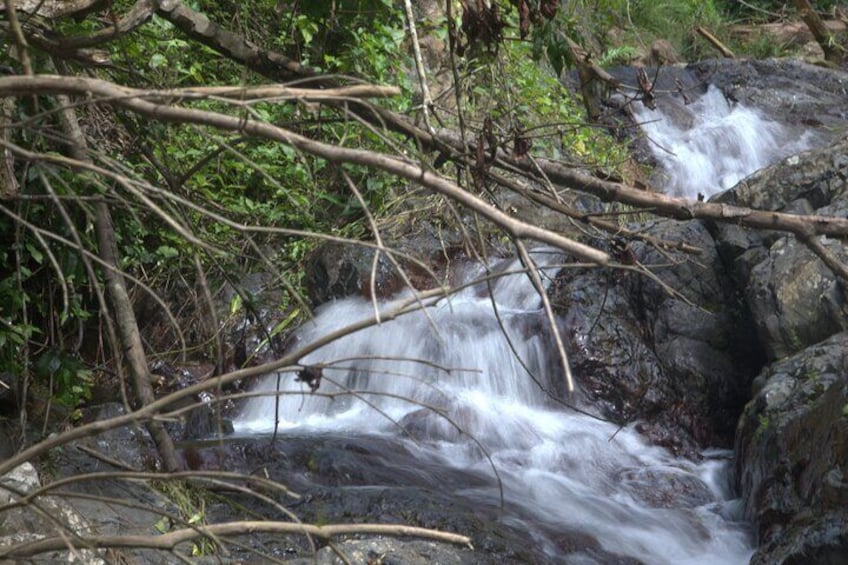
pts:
[237, 203]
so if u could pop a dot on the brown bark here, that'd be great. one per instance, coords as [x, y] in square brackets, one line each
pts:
[594, 80]
[170, 540]
[714, 41]
[135, 17]
[53, 9]
[9, 187]
[128, 333]
[833, 51]
[790, 33]
[199, 28]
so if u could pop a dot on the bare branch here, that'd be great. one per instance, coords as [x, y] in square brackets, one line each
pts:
[199, 28]
[135, 101]
[171, 540]
[137, 16]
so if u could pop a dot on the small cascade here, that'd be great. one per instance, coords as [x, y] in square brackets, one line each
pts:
[457, 346]
[477, 365]
[712, 144]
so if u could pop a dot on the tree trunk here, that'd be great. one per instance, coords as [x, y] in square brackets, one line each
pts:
[128, 332]
[116, 290]
[834, 52]
[8, 183]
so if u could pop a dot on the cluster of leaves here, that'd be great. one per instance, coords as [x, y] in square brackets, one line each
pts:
[513, 52]
[251, 183]
[42, 315]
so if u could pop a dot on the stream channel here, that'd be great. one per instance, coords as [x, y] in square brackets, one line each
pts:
[456, 387]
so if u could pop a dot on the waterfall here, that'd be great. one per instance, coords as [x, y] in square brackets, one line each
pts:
[711, 144]
[479, 362]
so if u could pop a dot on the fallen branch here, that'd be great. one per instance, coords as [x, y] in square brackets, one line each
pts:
[135, 17]
[714, 41]
[280, 91]
[170, 540]
[833, 51]
[785, 33]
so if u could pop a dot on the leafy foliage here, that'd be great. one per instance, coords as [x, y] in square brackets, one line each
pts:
[510, 56]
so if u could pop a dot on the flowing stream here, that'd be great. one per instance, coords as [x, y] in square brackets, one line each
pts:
[464, 383]
[455, 366]
[711, 144]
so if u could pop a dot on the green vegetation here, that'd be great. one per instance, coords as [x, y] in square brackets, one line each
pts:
[173, 184]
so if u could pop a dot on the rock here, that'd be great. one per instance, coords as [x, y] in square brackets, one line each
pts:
[612, 361]
[792, 457]
[814, 177]
[663, 53]
[388, 550]
[795, 300]
[20, 481]
[792, 91]
[338, 270]
[809, 100]
[250, 310]
[40, 518]
[679, 362]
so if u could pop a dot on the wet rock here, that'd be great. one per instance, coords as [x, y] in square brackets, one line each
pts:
[795, 300]
[698, 337]
[678, 361]
[130, 445]
[375, 479]
[38, 519]
[815, 177]
[610, 357]
[338, 270]
[389, 551]
[791, 454]
[792, 91]
[801, 95]
[666, 488]
[205, 421]
[250, 309]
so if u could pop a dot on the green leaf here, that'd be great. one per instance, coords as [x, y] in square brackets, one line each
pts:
[167, 252]
[35, 253]
[157, 60]
[235, 304]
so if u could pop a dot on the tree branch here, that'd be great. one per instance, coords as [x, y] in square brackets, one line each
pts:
[267, 63]
[170, 540]
[137, 16]
[136, 101]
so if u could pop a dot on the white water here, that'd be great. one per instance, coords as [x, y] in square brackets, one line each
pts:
[712, 144]
[569, 471]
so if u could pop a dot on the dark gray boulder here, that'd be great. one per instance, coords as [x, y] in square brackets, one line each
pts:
[670, 351]
[790, 90]
[792, 456]
[795, 300]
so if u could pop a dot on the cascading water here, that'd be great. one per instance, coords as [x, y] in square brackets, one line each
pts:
[469, 377]
[711, 144]
[450, 376]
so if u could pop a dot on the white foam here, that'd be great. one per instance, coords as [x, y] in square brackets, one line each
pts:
[712, 144]
[562, 467]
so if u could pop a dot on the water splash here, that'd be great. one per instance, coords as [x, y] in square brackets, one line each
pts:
[457, 368]
[711, 144]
